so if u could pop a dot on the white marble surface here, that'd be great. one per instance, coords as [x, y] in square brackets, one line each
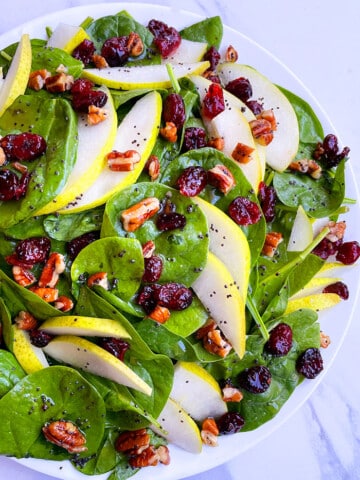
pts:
[319, 41]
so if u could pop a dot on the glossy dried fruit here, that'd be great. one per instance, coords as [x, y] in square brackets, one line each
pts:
[213, 102]
[244, 211]
[39, 338]
[280, 340]
[74, 246]
[213, 56]
[340, 288]
[82, 101]
[348, 252]
[267, 199]
[170, 221]
[12, 187]
[23, 147]
[167, 38]
[256, 379]
[115, 346]
[115, 51]
[230, 423]
[84, 51]
[153, 269]
[148, 297]
[241, 88]
[192, 181]
[174, 109]
[326, 248]
[328, 151]
[310, 363]
[194, 138]
[174, 296]
[33, 250]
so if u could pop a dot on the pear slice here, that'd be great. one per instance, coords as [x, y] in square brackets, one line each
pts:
[178, 427]
[31, 358]
[94, 142]
[143, 76]
[301, 233]
[197, 391]
[316, 285]
[67, 37]
[17, 77]
[284, 146]
[228, 242]
[216, 289]
[187, 52]
[138, 131]
[88, 356]
[316, 301]
[84, 326]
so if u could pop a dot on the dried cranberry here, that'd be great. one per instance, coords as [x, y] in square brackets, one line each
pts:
[82, 85]
[39, 338]
[241, 88]
[213, 102]
[213, 56]
[256, 379]
[310, 363]
[115, 51]
[23, 147]
[33, 250]
[153, 269]
[74, 246]
[243, 211]
[267, 198]
[326, 248]
[167, 39]
[339, 288]
[84, 51]
[348, 252]
[170, 221]
[175, 296]
[328, 151]
[255, 106]
[192, 181]
[11, 186]
[82, 101]
[280, 340]
[229, 423]
[148, 297]
[115, 346]
[174, 109]
[194, 137]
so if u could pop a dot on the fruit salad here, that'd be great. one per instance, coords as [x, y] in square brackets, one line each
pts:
[170, 225]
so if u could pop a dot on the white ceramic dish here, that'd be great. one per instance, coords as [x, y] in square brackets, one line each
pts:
[334, 322]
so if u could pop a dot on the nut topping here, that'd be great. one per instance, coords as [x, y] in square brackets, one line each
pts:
[272, 241]
[96, 115]
[221, 178]
[242, 153]
[231, 55]
[64, 304]
[22, 276]
[54, 266]
[169, 132]
[133, 217]
[209, 432]
[99, 278]
[309, 166]
[123, 161]
[65, 434]
[48, 294]
[153, 167]
[59, 83]
[160, 314]
[25, 321]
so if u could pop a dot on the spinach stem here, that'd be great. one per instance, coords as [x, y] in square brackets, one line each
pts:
[257, 317]
[85, 23]
[6, 56]
[48, 31]
[173, 79]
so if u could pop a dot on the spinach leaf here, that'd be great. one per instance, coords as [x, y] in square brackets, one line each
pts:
[66, 227]
[209, 30]
[183, 251]
[53, 393]
[10, 372]
[51, 58]
[56, 121]
[32, 227]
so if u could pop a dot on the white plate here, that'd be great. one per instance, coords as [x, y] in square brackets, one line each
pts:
[184, 464]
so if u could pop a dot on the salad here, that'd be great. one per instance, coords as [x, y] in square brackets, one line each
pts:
[170, 222]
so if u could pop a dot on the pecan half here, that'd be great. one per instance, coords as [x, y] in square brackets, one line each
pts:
[59, 83]
[231, 55]
[262, 131]
[132, 442]
[136, 215]
[54, 266]
[135, 44]
[65, 434]
[123, 161]
[100, 61]
[307, 166]
[221, 178]
[153, 167]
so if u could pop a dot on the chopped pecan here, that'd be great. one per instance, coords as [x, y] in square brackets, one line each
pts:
[98, 278]
[123, 161]
[134, 216]
[96, 115]
[262, 131]
[220, 177]
[308, 166]
[48, 294]
[231, 394]
[216, 142]
[324, 340]
[209, 432]
[37, 79]
[62, 68]
[22, 276]
[231, 55]
[272, 241]
[20, 167]
[148, 249]
[65, 434]
[54, 266]
[337, 231]
[215, 343]
[169, 132]
[205, 329]
[25, 320]
[64, 304]
[269, 116]
[153, 167]
[160, 314]
[59, 83]
[164, 454]
[135, 44]
[131, 441]
[147, 458]
[100, 61]
[242, 153]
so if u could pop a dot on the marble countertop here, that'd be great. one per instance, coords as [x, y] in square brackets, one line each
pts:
[319, 42]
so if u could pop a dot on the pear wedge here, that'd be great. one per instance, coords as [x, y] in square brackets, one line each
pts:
[284, 146]
[316, 301]
[88, 356]
[228, 242]
[187, 52]
[143, 76]
[178, 427]
[216, 289]
[31, 358]
[197, 392]
[316, 285]
[94, 142]
[67, 37]
[84, 326]
[17, 77]
[138, 131]
[301, 234]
